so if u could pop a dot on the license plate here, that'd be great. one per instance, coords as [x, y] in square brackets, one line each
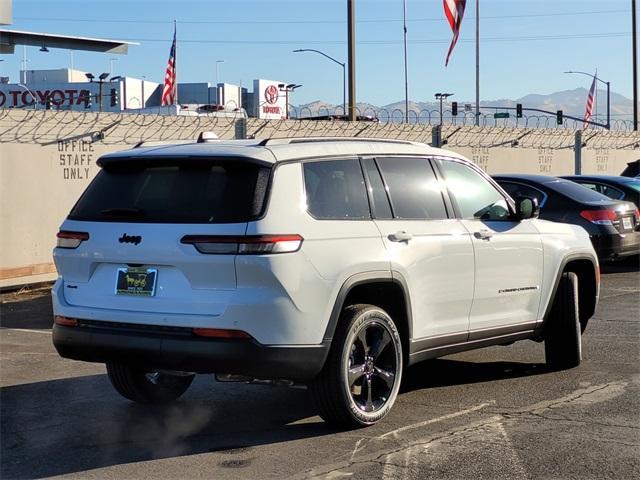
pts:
[136, 281]
[627, 223]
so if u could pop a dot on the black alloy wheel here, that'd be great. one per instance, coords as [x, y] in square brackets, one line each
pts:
[360, 380]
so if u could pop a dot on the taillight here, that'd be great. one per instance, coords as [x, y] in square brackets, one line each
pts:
[220, 333]
[244, 245]
[599, 217]
[67, 239]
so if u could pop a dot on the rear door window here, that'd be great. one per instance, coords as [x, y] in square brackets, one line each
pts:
[335, 189]
[175, 191]
[414, 191]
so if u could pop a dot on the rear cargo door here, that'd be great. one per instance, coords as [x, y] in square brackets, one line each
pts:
[137, 215]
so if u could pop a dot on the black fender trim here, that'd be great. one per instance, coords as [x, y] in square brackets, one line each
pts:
[565, 261]
[363, 279]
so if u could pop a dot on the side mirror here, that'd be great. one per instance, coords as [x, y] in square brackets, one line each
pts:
[527, 207]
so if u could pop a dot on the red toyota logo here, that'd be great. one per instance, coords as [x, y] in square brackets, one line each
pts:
[271, 94]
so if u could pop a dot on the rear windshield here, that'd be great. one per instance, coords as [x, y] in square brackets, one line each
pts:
[577, 192]
[175, 192]
[633, 183]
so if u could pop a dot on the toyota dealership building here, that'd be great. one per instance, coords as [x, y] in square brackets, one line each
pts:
[67, 89]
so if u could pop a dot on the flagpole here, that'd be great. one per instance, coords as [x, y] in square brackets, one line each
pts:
[477, 63]
[175, 68]
[595, 100]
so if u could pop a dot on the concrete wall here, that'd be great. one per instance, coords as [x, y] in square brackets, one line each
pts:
[47, 159]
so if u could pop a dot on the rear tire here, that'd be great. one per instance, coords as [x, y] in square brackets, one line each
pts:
[563, 338]
[361, 377]
[146, 385]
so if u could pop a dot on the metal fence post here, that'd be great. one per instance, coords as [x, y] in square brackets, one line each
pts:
[241, 129]
[436, 136]
[578, 153]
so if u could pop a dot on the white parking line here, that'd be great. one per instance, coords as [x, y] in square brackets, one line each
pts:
[434, 420]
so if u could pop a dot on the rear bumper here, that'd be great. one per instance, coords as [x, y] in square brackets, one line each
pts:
[609, 247]
[180, 350]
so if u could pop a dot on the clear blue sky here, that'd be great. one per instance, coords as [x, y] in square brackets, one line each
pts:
[525, 45]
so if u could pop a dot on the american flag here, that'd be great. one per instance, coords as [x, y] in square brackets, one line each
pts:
[454, 11]
[169, 90]
[589, 107]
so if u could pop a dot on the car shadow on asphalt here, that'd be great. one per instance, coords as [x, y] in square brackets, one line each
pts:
[626, 265]
[80, 424]
[442, 372]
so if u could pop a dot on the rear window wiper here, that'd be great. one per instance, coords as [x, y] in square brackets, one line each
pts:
[123, 212]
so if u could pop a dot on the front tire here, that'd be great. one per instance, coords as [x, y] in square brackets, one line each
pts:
[146, 385]
[361, 377]
[563, 333]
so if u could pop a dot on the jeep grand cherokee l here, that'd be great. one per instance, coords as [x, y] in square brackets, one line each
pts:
[333, 263]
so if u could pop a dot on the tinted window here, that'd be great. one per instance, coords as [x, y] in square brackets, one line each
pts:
[519, 190]
[475, 196]
[335, 189]
[635, 184]
[575, 191]
[415, 193]
[604, 189]
[379, 195]
[175, 191]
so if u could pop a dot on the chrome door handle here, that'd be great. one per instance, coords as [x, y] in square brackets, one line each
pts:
[483, 234]
[400, 237]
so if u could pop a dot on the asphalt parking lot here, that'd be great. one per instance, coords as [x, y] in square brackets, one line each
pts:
[492, 413]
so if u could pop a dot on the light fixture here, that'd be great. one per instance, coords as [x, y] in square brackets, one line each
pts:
[44, 49]
[103, 75]
[89, 76]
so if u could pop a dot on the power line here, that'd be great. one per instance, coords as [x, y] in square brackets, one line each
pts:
[301, 22]
[393, 42]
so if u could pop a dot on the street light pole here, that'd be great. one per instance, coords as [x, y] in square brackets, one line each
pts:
[441, 97]
[218, 62]
[344, 77]
[287, 89]
[608, 84]
[634, 51]
[351, 41]
[406, 70]
[477, 63]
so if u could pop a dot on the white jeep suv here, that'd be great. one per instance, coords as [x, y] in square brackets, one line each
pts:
[333, 263]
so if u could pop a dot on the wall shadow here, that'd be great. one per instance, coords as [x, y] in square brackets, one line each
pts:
[31, 312]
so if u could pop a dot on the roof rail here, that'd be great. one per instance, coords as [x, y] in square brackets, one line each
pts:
[160, 143]
[290, 141]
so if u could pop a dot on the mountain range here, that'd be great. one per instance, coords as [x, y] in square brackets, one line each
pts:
[571, 102]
